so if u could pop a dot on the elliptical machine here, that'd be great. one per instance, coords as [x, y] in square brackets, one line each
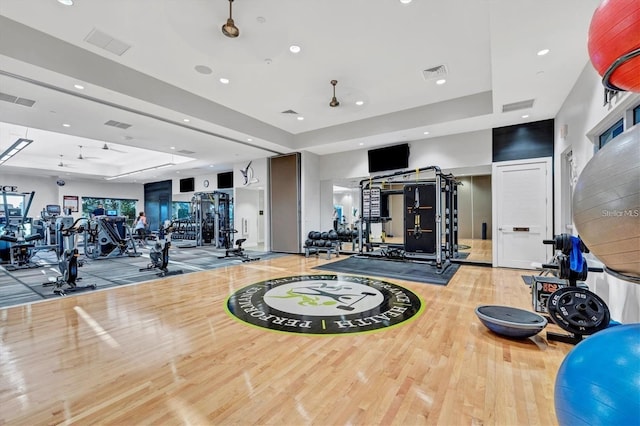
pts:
[159, 254]
[68, 264]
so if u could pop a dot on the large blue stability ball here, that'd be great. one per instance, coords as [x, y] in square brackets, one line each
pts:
[599, 381]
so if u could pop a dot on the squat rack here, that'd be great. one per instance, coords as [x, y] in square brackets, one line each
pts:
[445, 188]
[212, 214]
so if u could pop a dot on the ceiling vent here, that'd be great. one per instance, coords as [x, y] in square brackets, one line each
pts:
[106, 42]
[114, 123]
[517, 105]
[435, 72]
[16, 100]
[186, 152]
[289, 111]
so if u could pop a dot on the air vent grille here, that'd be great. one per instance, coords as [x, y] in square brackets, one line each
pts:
[434, 72]
[114, 123]
[107, 42]
[16, 100]
[186, 152]
[517, 105]
[289, 111]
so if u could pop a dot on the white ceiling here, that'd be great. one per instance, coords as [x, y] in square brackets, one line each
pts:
[376, 50]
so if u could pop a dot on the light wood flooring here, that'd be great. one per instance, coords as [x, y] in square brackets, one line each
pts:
[165, 352]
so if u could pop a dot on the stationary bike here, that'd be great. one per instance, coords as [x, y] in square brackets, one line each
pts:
[159, 255]
[66, 232]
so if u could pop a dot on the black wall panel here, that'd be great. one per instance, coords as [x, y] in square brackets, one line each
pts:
[522, 141]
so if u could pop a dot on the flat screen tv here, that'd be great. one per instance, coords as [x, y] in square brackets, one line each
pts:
[389, 158]
[53, 209]
[188, 184]
[225, 180]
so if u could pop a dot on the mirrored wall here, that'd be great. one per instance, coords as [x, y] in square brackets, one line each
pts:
[474, 214]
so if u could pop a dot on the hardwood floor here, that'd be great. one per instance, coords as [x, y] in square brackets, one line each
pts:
[166, 352]
[479, 250]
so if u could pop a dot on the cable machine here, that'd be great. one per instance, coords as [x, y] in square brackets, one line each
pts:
[430, 213]
[209, 222]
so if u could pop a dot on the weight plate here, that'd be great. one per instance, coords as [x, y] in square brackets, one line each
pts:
[578, 310]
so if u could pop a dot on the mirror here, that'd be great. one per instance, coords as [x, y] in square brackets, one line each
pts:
[474, 214]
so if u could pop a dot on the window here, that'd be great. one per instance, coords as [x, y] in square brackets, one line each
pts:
[180, 209]
[123, 207]
[636, 115]
[611, 133]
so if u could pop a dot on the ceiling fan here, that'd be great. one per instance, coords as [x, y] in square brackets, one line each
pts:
[334, 101]
[108, 148]
[82, 157]
[61, 164]
[229, 29]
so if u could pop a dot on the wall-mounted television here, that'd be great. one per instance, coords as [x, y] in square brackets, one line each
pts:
[389, 158]
[225, 180]
[54, 209]
[188, 184]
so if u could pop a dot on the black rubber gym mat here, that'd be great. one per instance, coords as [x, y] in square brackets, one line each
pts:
[410, 271]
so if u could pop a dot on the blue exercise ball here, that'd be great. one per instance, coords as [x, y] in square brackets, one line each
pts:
[599, 381]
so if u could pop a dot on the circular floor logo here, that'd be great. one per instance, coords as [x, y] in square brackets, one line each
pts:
[324, 304]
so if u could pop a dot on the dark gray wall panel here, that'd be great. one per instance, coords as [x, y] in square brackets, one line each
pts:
[284, 175]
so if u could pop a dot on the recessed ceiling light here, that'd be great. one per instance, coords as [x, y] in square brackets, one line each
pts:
[78, 86]
[66, 125]
[203, 69]
[224, 80]
[300, 118]
[66, 2]
[405, 1]
[441, 81]
[173, 147]
[361, 143]
[525, 116]
[249, 140]
[186, 120]
[294, 48]
[543, 52]
[211, 165]
[359, 103]
[426, 133]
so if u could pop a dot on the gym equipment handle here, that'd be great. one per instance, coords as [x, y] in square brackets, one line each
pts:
[589, 268]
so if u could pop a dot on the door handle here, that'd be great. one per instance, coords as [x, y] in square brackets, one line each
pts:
[520, 229]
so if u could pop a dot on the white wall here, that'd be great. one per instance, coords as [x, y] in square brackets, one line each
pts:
[310, 195]
[198, 186]
[48, 192]
[326, 204]
[249, 199]
[246, 208]
[448, 152]
[585, 116]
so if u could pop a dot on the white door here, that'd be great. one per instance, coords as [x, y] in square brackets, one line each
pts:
[522, 212]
